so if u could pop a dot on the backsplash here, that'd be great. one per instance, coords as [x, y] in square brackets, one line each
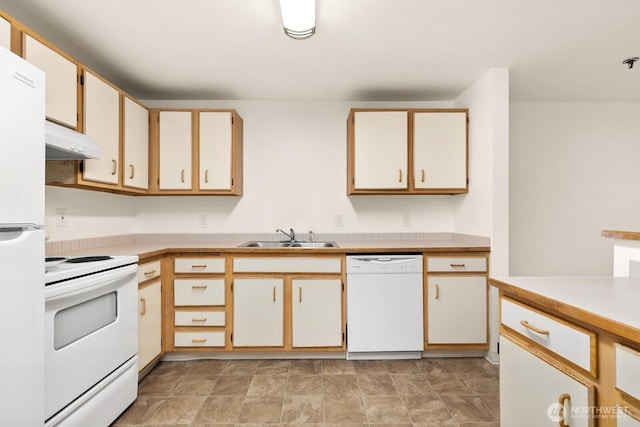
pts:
[98, 242]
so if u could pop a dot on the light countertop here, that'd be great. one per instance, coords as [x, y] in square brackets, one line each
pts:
[610, 303]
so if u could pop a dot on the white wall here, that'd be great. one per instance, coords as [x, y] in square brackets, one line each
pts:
[574, 172]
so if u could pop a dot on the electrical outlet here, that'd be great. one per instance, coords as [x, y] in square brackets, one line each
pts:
[61, 217]
[406, 219]
[338, 221]
[203, 221]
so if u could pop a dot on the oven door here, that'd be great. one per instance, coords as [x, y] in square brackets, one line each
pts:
[91, 328]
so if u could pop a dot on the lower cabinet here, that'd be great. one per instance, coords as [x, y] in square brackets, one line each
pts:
[149, 323]
[316, 306]
[457, 310]
[258, 317]
[536, 394]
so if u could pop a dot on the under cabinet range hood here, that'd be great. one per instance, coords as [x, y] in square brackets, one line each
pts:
[66, 144]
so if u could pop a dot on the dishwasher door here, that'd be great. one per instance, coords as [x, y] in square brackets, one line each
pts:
[384, 307]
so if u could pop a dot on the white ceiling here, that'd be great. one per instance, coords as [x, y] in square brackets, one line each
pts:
[363, 50]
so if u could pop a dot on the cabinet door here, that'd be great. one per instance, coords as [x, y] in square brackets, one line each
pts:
[457, 310]
[5, 33]
[149, 324]
[531, 390]
[215, 150]
[102, 125]
[175, 150]
[62, 78]
[317, 312]
[440, 150]
[258, 312]
[380, 149]
[136, 144]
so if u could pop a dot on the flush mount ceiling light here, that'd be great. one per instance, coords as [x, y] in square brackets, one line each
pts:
[630, 61]
[298, 18]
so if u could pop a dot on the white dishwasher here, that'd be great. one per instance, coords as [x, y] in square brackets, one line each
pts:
[384, 307]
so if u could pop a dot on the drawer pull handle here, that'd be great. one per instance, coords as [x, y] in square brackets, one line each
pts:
[199, 319]
[421, 175]
[199, 266]
[133, 172]
[533, 328]
[561, 401]
[182, 176]
[206, 176]
[198, 340]
[399, 175]
[114, 167]
[300, 294]
[457, 265]
[274, 294]
[143, 302]
[437, 291]
[199, 287]
[149, 273]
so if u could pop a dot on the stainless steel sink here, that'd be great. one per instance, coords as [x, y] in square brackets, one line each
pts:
[287, 244]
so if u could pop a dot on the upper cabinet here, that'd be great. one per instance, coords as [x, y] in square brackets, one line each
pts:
[196, 152]
[62, 81]
[5, 33]
[135, 162]
[417, 151]
[102, 125]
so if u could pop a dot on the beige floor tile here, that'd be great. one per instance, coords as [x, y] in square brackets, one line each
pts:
[268, 385]
[236, 385]
[140, 411]
[303, 409]
[304, 385]
[370, 367]
[376, 384]
[273, 367]
[433, 366]
[344, 409]
[427, 409]
[481, 383]
[337, 367]
[447, 383]
[340, 385]
[177, 410]
[173, 368]
[240, 367]
[385, 409]
[402, 366]
[412, 384]
[261, 410]
[305, 366]
[208, 367]
[492, 401]
[193, 385]
[220, 409]
[467, 408]
[159, 386]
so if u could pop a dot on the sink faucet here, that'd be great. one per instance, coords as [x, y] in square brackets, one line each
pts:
[291, 235]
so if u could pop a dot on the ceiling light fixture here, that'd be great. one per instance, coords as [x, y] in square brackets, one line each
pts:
[298, 18]
[630, 61]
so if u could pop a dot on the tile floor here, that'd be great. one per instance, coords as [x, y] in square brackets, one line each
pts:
[218, 393]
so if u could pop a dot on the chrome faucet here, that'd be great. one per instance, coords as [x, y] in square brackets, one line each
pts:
[291, 235]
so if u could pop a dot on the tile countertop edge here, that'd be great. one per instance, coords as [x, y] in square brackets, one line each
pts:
[582, 310]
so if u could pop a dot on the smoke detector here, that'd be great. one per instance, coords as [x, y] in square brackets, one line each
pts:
[630, 61]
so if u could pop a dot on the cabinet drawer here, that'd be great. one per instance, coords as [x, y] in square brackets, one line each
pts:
[199, 339]
[199, 265]
[148, 271]
[199, 318]
[628, 370]
[287, 265]
[198, 291]
[568, 341]
[456, 264]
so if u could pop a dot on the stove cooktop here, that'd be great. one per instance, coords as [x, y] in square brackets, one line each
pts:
[58, 269]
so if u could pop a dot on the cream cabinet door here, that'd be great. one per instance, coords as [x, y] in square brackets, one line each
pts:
[175, 150]
[456, 310]
[380, 149]
[215, 150]
[62, 79]
[149, 324]
[531, 389]
[317, 312]
[5, 33]
[440, 150]
[102, 125]
[258, 318]
[136, 144]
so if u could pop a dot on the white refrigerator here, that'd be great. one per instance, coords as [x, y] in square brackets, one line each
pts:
[22, 162]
